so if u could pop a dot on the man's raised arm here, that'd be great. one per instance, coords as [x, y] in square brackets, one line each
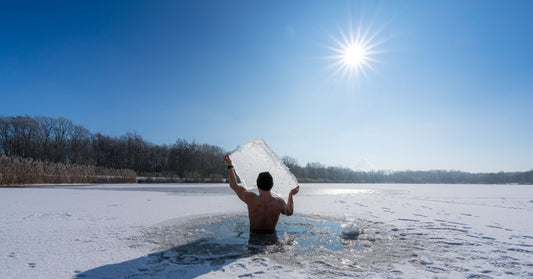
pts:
[289, 207]
[239, 190]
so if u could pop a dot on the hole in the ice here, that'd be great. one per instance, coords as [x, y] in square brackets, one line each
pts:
[219, 239]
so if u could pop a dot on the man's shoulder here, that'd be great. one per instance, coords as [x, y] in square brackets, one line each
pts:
[279, 200]
[250, 194]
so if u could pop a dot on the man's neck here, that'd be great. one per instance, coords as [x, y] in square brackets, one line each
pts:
[264, 193]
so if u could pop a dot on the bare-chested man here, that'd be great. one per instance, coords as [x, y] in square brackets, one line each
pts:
[263, 209]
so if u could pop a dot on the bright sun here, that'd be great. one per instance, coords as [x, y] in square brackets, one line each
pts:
[353, 53]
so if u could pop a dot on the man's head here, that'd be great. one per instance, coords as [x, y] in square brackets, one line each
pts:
[264, 181]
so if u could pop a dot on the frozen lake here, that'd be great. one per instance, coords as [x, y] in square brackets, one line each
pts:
[201, 230]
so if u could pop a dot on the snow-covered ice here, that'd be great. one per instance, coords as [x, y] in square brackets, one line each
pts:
[201, 230]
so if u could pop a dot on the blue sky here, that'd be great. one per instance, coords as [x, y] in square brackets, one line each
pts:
[452, 89]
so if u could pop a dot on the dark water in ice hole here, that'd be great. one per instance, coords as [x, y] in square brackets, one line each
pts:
[221, 239]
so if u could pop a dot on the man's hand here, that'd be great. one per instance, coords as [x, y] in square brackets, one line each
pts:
[227, 160]
[294, 191]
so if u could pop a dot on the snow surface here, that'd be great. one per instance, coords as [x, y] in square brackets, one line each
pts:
[255, 157]
[339, 230]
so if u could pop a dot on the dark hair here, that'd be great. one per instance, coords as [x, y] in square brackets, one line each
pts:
[265, 181]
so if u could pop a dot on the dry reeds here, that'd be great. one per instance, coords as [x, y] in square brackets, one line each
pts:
[18, 171]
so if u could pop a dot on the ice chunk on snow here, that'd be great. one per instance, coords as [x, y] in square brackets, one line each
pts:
[351, 230]
[255, 157]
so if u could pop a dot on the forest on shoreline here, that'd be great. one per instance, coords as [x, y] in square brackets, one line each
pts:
[55, 150]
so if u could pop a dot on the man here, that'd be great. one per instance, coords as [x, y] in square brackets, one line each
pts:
[263, 209]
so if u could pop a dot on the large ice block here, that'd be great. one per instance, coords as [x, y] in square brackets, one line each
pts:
[255, 157]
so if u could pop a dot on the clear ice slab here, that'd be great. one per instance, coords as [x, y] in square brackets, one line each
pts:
[255, 157]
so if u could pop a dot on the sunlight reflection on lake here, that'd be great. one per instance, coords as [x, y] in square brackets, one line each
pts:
[341, 191]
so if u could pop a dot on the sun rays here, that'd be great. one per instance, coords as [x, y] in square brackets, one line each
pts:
[354, 52]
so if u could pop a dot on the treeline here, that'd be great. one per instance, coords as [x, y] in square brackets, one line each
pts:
[318, 173]
[59, 141]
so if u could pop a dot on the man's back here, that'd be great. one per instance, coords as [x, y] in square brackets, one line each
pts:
[264, 211]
